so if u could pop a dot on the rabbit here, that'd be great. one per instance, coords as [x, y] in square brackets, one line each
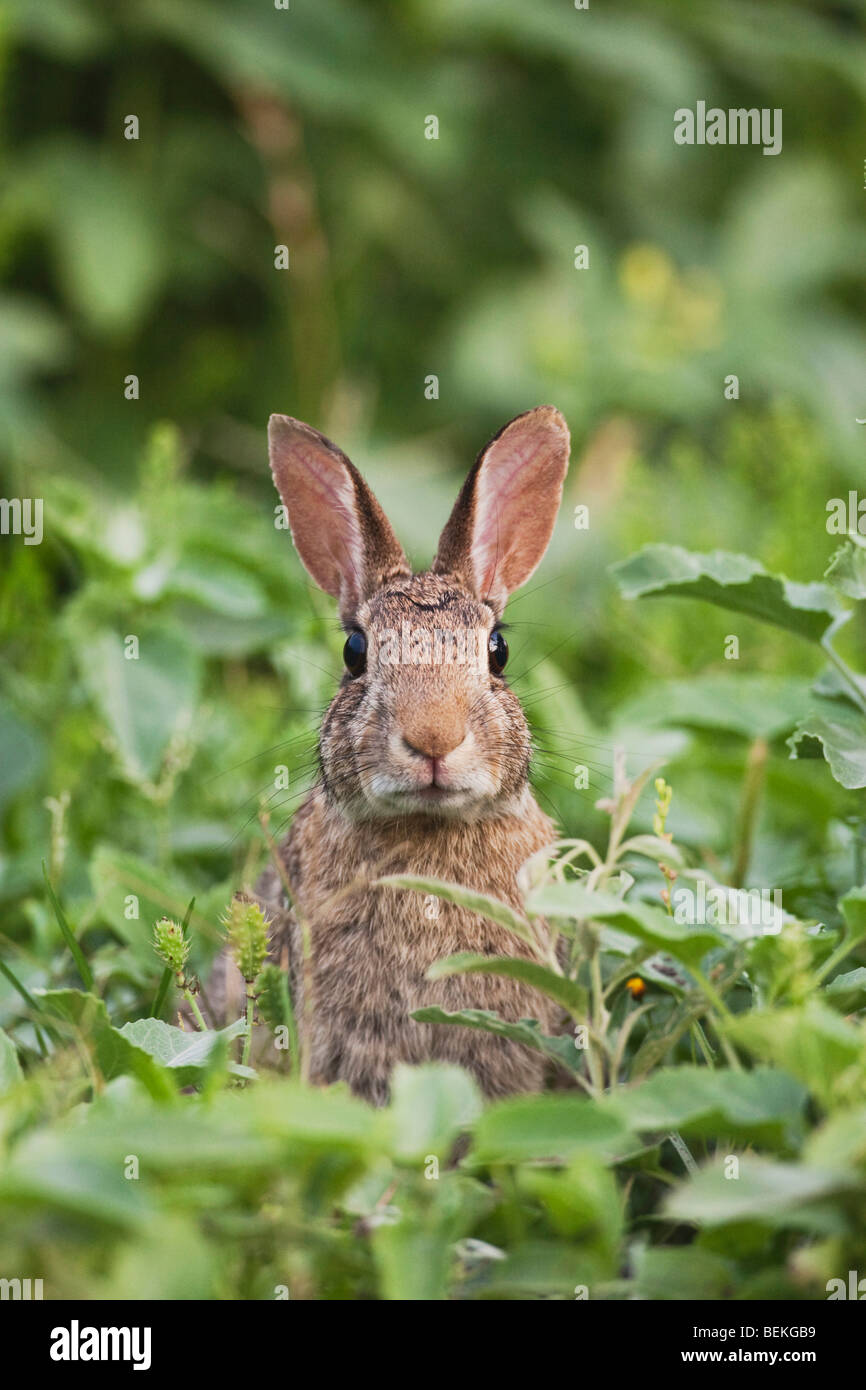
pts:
[423, 767]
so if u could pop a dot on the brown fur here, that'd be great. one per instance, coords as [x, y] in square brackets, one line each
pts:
[371, 947]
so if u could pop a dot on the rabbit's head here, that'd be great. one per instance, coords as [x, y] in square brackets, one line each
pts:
[424, 722]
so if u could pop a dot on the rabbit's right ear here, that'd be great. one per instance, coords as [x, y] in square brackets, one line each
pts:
[340, 531]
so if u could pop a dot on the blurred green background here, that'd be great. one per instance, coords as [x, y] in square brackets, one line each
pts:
[409, 257]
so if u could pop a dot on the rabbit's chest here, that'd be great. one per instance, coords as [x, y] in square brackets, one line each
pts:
[375, 966]
[372, 949]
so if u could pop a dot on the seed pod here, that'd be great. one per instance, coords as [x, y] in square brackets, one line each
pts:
[170, 944]
[247, 929]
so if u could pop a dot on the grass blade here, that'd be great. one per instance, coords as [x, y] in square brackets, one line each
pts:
[78, 955]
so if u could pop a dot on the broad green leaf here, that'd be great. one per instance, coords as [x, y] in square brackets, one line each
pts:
[651, 847]
[840, 1142]
[549, 1126]
[775, 1194]
[649, 925]
[760, 1105]
[47, 1174]
[172, 1258]
[848, 992]
[847, 569]
[853, 909]
[22, 752]
[414, 1252]
[145, 701]
[430, 1105]
[731, 581]
[527, 1031]
[837, 729]
[581, 1200]
[682, 1273]
[811, 1042]
[753, 705]
[309, 1119]
[481, 903]
[115, 1054]
[565, 992]
[187, 1053]
[108, 241]
[211, 580]
[540, 1269]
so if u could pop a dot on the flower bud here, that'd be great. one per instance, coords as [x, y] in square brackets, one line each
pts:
[247, 930]
[170, 944]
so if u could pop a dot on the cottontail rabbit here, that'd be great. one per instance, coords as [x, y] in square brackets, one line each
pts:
[424, 755]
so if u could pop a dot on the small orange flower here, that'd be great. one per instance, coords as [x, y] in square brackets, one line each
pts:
[636, 987]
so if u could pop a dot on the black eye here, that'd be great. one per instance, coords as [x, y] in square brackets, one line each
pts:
[355, 653]
[498, 649]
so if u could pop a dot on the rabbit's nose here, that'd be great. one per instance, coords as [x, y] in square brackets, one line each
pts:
[434, 737]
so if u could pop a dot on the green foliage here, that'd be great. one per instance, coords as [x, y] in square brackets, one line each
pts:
[731, 581]
[165, 663]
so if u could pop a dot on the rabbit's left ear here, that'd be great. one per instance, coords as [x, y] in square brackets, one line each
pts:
[503, 519]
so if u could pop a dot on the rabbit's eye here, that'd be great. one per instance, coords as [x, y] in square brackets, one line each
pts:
[498, 649]
[355, 653]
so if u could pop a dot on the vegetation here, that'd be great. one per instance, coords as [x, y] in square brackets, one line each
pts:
[165, 663]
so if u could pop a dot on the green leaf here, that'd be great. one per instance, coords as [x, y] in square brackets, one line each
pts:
[540, 1269]
[145, 702]
[752, 705]
[581, 1200]
[187, 1053]
[84, 971]
[840, 1142]
[847, 569]
[415, 1252]
[108, 241]
[774, 1194]
[116, 876]
[481, 903]
[649, 925]
[853, 909]
[22, 753]
[115, 1054]
[839, 731]
[734, 582]
[759, 1105]
[549, 1127]
[10, 1067]
[46, 1174]
[527, 1031]
[682, 1273]
[811, 1042]
[429, 1107]
[214, 581]
[327, 1126]
[848, 992]
[565, 992]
